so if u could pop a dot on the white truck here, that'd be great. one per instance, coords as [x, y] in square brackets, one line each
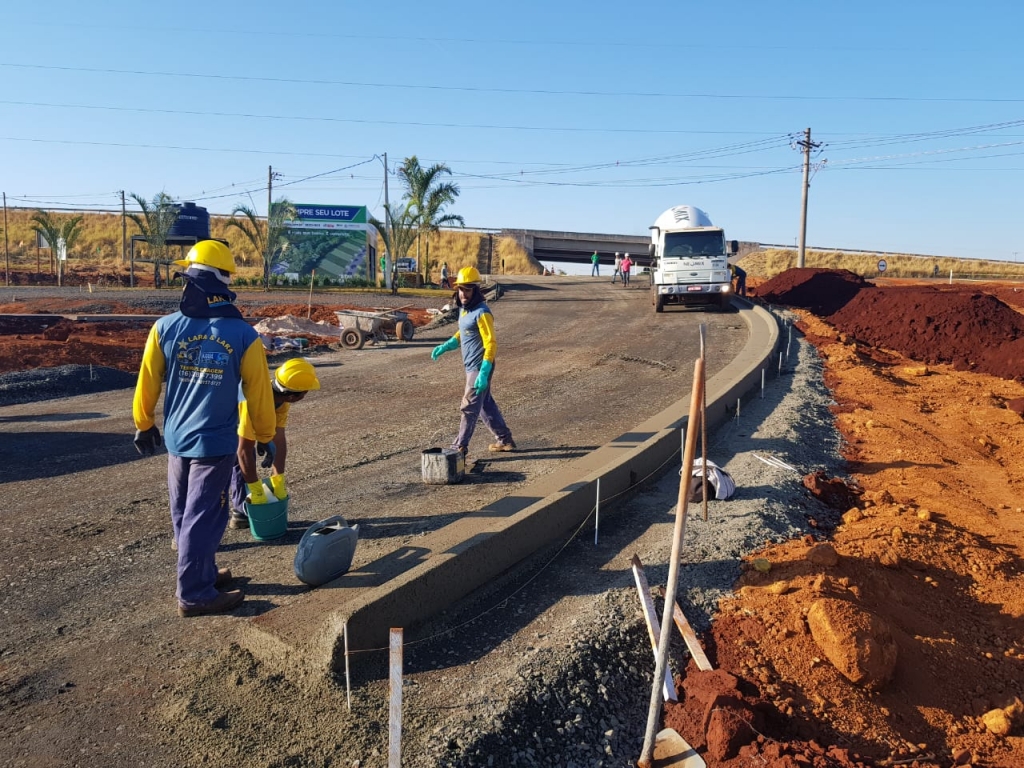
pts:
[689, 261]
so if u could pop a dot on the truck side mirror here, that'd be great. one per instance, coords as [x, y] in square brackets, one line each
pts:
[651, 250]
[734, 246]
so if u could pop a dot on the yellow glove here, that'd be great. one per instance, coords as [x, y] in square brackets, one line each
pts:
[279, 486]
[257, 495]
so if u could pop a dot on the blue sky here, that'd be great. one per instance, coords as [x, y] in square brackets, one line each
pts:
[582, 116]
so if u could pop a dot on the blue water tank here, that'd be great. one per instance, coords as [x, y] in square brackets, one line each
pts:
[193, 221]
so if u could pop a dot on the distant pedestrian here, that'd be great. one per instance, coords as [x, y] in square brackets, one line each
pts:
[479, 346]
[618, 267]
[741, 279]
[627, 264]
[444, 276]
[595, 270]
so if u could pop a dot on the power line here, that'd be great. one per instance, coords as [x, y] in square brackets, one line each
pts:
[534, 91]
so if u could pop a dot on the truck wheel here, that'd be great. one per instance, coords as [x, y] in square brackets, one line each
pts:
[659, 303]
[725, 302]
[352, 338]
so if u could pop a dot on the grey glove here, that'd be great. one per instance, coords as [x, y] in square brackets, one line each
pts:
[268, 451]
[146, 442]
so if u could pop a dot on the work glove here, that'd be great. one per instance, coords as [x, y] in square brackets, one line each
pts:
[448, 346]
[257, 493]
[268, 451]
[483, 379]
[147, 441]
[279, 486]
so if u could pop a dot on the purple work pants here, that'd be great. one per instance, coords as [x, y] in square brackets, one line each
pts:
[476, 406]
[239, 490]
[199, 514]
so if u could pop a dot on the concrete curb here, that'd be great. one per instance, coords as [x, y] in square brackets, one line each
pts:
[452, 562]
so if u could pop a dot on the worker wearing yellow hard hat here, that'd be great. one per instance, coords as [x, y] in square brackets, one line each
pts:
[291, 381]
[201, 356]
[479, 348]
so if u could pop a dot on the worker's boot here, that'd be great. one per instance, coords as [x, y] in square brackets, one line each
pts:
[225, 601]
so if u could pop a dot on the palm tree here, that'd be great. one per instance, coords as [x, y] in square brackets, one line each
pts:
[403, 231]
[427, 197]
[267, 238]
[154, 224]
[60, 232]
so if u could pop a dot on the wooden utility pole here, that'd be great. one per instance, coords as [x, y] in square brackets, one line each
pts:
[124, 230]
[7, 252]
[266, 245]
[807, 145]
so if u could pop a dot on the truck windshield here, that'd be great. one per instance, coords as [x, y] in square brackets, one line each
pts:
[694, 244]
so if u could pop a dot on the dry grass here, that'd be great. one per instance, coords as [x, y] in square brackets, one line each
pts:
[771, 261]
[100, 247]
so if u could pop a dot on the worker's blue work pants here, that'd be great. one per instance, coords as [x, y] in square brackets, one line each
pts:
[199, 513]
[476, 406]
[595, 270]
[239, 490]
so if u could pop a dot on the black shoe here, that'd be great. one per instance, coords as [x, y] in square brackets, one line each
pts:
[238, 521]
[225, 601]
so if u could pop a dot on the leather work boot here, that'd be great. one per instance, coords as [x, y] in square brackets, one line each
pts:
[502, 447]
[238, 520]
[225, 601]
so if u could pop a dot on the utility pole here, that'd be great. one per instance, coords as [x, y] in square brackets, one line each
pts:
[266, 256]
[388, 255]
[807, 145]
[7, 253]
[124, 230]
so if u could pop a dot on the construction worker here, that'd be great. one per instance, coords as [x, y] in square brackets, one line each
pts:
[740, 275]
[291, 382]
[479, 346]
[202, 354]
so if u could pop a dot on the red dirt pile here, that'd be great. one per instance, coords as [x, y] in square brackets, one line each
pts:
[971, 331]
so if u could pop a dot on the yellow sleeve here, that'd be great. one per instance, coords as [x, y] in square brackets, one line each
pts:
[259, 397]
[486, 325]
[244, 424]
[151, 379]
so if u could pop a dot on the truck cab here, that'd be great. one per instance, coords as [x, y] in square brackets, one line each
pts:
[689, 260]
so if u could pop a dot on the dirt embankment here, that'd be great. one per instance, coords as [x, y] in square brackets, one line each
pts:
[900, 641]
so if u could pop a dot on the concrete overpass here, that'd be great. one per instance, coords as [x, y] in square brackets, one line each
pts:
[548, 245]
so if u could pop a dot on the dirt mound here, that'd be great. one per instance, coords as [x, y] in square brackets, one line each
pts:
[970, 330]
[822, 291]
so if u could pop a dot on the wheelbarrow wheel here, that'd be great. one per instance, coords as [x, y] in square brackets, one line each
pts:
[404, 330]
[352, 338]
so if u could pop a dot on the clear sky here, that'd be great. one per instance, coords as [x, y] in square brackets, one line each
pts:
[583, 116]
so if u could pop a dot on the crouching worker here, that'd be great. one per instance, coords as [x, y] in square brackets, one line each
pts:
[202, 354]
[291, 382]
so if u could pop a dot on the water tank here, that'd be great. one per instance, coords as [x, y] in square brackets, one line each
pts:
[193, 221]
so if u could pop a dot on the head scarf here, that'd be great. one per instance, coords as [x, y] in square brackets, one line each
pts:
[205, 294]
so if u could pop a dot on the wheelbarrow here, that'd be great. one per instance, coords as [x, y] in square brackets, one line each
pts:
[358, 326]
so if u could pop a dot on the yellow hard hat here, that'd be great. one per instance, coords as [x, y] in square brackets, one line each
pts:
[467, 276]
[212, 253]
[297, 375]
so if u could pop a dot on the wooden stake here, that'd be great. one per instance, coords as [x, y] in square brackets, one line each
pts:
[690, 638]
[395, 701]
[651, 619]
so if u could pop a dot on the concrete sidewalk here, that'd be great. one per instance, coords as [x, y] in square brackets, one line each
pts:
[414, 583]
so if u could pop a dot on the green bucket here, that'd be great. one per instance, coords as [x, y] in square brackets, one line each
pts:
[268, 521]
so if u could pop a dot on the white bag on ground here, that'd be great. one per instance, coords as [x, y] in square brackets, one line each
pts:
[718, 477]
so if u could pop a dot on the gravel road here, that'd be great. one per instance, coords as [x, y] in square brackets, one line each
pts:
[553, 668]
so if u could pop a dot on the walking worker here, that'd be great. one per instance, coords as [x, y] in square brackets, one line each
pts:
[618, 267]
[290, 383]
[202, 354]
[444, 276]
[595, 269]
[627, 264]
[479, 346]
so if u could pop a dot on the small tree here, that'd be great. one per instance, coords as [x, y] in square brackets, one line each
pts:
[267, 238]
[402, 234]
[60, 232]
[427, 197]
[154, 224]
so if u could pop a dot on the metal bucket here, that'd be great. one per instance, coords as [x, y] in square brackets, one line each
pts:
[443, 466]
